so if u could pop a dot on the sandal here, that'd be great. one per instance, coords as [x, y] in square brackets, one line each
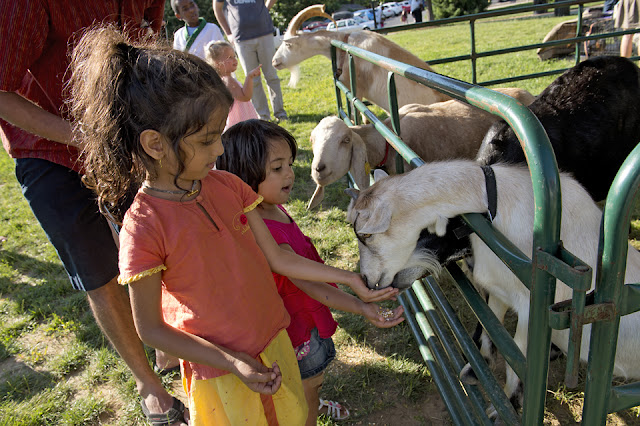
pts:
[174, 414]
[334, 410]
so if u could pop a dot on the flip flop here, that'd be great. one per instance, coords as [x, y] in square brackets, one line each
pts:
[174, 414]
[334, 410]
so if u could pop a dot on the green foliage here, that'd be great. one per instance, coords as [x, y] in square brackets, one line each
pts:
[450, 8]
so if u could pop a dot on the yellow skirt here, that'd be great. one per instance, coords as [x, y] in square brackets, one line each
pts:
[225, 400]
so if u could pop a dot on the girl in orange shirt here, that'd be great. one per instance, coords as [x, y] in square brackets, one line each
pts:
[196, 255]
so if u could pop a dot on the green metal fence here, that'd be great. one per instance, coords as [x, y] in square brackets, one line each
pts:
[443, 341]
[473, 56]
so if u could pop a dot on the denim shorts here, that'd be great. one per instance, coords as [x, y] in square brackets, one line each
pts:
[69, 214]
[315, 355]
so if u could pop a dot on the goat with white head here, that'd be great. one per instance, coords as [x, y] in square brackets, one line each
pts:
[371, 79]
[389, 216]
[440, 131]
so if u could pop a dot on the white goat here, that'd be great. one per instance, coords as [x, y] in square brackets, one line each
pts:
[389, 216]
[371, 80]
[440, 131]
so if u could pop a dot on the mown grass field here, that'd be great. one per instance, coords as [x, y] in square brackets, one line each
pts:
[57, 368]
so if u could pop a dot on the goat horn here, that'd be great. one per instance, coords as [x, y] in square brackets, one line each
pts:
[303, 15]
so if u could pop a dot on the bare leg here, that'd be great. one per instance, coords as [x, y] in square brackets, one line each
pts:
[311, 388]
[112, 311]
[626, 45]
[166, 361]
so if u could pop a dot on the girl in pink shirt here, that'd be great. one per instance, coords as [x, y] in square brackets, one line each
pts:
[221, 56]
[195, 254]
[262, 154]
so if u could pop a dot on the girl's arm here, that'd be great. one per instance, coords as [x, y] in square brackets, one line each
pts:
[335, 298]
[146, 307]
[235, 89]
[291, 265]
[242, 94]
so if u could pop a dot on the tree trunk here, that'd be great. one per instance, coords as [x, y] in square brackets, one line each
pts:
[540, 2]
[429, 10]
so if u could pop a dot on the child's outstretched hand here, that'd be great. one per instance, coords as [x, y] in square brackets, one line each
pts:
[257, 376]
[383, 317]
[254, 72]
[367, 295]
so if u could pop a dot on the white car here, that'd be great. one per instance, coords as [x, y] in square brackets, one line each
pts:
[395, 7]
[352, 24]
[385, 11]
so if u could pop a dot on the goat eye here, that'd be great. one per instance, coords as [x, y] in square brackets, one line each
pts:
[364, 236]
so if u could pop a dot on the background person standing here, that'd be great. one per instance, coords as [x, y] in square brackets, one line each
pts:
[249, 27]
[417, 6]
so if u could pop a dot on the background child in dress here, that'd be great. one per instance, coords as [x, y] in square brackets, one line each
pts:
[221, 56]
[262, 154]
[196, 255]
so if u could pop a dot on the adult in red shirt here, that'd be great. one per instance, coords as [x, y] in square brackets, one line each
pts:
[36, 133]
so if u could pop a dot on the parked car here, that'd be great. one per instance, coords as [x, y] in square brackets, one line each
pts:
[342, 15]
[405, 3]
[367, 15]
[396, 8]
[315, 26]
[385, 11]
[352, 24]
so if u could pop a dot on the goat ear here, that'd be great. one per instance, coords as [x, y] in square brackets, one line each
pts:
[359, 163]
[352, 192]
[378, 222]
[316, 198]
[379, 174]
[439, 227]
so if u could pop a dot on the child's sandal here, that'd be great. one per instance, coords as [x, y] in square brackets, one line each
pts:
[334, 410]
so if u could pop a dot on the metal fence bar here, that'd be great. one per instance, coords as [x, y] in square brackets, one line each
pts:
[610, 288]
[546, 189]
[491, 386]
[474, 55]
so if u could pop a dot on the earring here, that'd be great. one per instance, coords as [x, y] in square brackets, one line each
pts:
[160, 162]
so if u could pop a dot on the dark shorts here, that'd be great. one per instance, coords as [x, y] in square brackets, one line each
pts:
[315, 355]
[68, 213]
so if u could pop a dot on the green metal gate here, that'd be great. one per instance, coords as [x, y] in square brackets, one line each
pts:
[443, 341]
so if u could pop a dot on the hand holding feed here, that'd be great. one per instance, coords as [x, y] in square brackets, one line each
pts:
[367, 295]
[383, 317]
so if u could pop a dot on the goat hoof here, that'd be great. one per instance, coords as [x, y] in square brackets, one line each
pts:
[468, 376]
[492, 413]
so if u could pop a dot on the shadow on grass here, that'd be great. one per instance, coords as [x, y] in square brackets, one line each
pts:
[47, 294]
[22, 382]
[373, 386]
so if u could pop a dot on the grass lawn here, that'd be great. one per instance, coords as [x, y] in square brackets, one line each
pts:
[57, 368]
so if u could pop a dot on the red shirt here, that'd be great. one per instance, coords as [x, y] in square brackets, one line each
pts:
[35, 40]
[306, 313]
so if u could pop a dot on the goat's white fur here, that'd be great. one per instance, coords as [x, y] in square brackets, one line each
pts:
[371, 80]
[424, 196]
[440, 131]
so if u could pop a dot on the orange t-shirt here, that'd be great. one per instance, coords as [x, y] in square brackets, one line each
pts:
[216, 282]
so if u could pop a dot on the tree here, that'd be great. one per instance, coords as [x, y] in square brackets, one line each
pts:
[450, 8]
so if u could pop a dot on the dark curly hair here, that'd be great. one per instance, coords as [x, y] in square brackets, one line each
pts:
[118, 89]
[246, 149]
